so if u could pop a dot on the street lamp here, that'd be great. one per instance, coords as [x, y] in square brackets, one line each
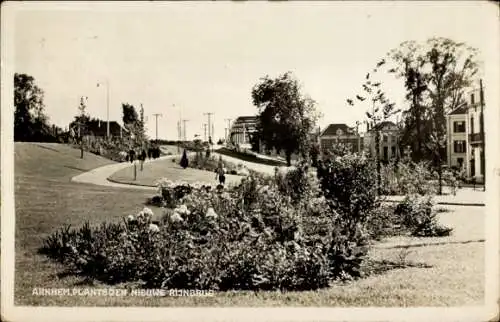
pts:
[107, 104]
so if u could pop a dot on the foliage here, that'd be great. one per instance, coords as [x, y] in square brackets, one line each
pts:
[381, 110]
[253, 236]
[184, 160]
[286, 117]
[30, 121]
[349, 182]
[406, 177]
[417, 215]
[437, 75]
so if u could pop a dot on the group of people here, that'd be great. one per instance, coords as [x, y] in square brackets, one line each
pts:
[151, 153]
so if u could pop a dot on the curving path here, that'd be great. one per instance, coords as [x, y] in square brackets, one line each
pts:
[99, 176]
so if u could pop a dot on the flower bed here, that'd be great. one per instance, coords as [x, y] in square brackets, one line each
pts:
[290, 232]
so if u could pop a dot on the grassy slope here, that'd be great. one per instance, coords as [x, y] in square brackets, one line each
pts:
[46, 200]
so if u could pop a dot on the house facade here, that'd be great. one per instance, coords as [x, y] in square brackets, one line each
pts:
[242, 129]
[389, 141]
[339, 133]
[465, 137]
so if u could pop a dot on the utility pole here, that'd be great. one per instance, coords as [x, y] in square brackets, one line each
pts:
[205, 131]
[209, 128]
[156, 117]
[184, 123]
[228, 128]
[481, 127]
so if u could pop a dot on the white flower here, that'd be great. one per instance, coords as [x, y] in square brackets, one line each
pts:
[211, 213]
[153, 228]
[148, 212]
[130, 218]
[182, 209]
[176, 217]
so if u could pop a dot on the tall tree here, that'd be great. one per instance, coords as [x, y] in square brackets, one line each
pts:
[286, 117]
[381, 110]
[436, 73]
[30, 120]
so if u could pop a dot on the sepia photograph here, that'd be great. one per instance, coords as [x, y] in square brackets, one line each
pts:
[240, 160]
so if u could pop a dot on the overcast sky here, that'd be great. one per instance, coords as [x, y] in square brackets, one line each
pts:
[206, 57]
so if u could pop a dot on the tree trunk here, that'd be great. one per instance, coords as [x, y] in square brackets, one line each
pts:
[419, 130]
[288, 158]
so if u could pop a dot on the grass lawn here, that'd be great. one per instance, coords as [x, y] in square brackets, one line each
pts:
[47, 200]
[167, 169]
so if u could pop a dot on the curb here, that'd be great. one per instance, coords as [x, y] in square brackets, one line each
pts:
[129, 183]
[468, 204]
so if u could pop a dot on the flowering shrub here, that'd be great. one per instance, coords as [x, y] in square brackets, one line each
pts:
[350, 183]
[406, 177]
[251, 236]
[417, 215]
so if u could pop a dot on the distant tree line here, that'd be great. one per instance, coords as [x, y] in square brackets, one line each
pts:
[31, 124]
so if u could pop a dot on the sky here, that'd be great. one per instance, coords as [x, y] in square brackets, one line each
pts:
[184, 59]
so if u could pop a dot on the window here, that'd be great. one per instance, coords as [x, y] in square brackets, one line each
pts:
[386, 153]
[472, 124]
[460, 162]
[459, 146]
[384, 138]
[459, 126]
[472, 99]
[393, 151]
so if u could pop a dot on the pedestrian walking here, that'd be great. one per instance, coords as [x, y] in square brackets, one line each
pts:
[221, 175]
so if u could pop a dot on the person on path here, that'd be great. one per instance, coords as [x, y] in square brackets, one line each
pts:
[221, 174]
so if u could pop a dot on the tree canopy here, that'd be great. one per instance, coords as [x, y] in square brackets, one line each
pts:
[286, 116]
[30, 121]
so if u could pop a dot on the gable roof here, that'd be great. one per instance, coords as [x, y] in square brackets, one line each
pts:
[334, 127]
[100, 128]
[459, 110]
[383, 125]
[246, 119]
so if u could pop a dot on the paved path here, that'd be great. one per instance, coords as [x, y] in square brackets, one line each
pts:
[99, 176]
[464, 197]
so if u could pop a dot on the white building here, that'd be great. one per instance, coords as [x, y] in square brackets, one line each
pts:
[465, 137]
[389, 141]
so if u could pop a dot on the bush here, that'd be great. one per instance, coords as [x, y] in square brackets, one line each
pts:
[184, 160]
[252, 236]
[350, 183]
[417, 215]
[383, 222]
[406, 177]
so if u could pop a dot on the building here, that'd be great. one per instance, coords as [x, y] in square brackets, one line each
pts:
[340, 134]
[465, 137]
[456, 138]
[242, 129]
[99, 128]
[389, 141]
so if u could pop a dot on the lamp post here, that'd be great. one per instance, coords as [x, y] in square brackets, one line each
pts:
[106, 82]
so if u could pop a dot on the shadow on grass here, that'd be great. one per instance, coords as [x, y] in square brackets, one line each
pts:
[47, 148]
[379, 267]
[75, 168]
[436, 244]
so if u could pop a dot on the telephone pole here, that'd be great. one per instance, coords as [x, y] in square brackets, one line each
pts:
[209, 114]
[205, 131]
[156, 117]
[228, 128]
[184, 123]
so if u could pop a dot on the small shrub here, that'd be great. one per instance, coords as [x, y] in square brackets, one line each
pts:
[417, 215]
[350, 183]
[184, 160]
